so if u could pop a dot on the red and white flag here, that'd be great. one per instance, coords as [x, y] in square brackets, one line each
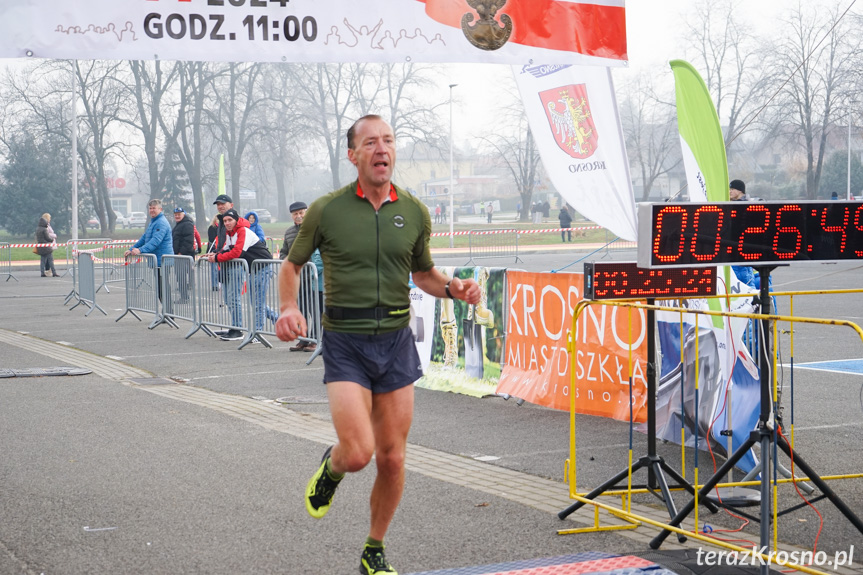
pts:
[592, 28]
[572, 112]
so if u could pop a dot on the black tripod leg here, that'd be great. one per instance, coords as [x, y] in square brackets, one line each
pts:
[821, 484]
[602, 488]
[656, 468]
[687, 509]
[688, 486]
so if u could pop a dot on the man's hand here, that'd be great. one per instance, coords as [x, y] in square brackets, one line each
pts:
[133, 252]
[291, 324]
[466, 290]
[211, 257]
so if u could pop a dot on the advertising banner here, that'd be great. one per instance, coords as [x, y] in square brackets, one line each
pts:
[726, 371]
[514, 32]
[461, 345]
[538, 365]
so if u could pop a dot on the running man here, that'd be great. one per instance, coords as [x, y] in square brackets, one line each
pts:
[372, 236]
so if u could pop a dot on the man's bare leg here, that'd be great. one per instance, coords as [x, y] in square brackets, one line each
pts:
[351, 409]
[392, 414]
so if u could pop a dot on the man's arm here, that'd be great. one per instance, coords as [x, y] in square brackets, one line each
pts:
[291, 323]
[433, 282]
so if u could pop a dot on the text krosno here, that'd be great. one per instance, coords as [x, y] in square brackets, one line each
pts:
[762, 557]
[587, 167]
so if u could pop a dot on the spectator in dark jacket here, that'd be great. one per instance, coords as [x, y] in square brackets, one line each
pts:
[212, 235]
[184, 245]
[46, 235]
[565, 223]
[183, 234]
[298, 212]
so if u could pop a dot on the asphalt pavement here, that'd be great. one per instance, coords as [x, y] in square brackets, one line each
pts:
[188, 456]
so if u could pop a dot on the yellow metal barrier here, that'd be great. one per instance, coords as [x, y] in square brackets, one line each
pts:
[625, 512]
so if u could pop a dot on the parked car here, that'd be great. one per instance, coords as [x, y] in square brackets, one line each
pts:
[93, 223]
[121, 220]
[264, 215]
[136, 220]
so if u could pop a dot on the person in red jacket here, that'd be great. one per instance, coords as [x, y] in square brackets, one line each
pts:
[240, 242]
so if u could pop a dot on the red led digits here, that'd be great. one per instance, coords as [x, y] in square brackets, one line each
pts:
[786, 254]
[836, 229]
[625, 280]
[753, 230]
[660, 217]
[758, 233]
[858, 225]
[696, 220]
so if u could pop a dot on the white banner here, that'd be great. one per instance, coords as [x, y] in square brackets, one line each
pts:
[554, 31]
[573, 116]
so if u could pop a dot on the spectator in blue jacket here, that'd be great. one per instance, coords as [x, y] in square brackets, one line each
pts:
[255, 226]
[157, 238]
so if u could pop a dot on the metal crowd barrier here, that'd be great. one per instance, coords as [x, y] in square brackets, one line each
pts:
[141, 274]
[222, 301]
[311, 302]
[72, 249]
[6, 261]
[264, 294]
[178, 288]
[112, 260]
[493, 244]
[221, 296]
[274, 245]
[87, 283]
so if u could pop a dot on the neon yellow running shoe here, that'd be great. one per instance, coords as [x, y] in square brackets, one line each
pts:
[373, 562]
[321, 489]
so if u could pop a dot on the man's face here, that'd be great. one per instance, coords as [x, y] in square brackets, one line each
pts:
[223, 207]
[178, 216]
[229, 223]
[734, 194]
[374, 151]
[154, 210]
[298, 216]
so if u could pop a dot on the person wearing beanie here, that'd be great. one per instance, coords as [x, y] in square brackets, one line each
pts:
[737, 191]
[242, 243]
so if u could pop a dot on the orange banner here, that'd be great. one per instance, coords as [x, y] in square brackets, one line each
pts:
[538, 366]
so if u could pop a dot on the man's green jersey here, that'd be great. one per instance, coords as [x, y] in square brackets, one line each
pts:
[368, 254]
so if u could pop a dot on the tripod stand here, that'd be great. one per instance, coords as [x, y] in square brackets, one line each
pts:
[765, 435]
[655, 465]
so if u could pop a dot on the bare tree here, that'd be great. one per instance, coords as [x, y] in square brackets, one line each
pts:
[280, 147]
[102, 97]
[153, 82]
[328, 99]
[235, 101]
[730, 57]
[815, 59]
[650, 131]
[515, 149]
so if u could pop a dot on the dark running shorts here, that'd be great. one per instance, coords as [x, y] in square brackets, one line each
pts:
[381, 363]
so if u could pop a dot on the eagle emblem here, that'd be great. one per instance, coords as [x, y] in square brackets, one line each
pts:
[486, 34]
[570, 120]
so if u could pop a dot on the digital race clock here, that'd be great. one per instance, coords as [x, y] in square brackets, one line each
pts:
[625, 280]
[749, 233]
